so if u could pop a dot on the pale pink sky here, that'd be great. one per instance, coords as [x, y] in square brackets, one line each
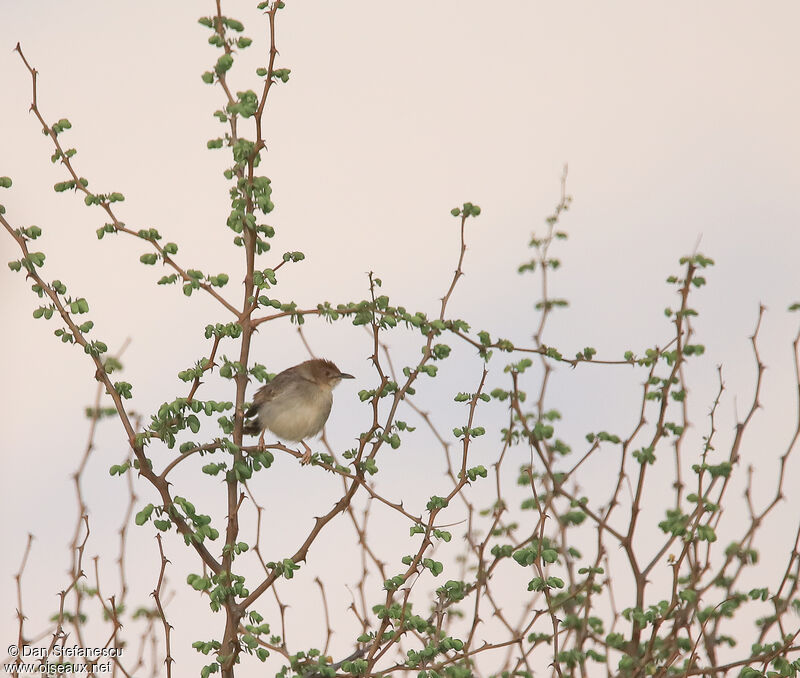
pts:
[678, 121]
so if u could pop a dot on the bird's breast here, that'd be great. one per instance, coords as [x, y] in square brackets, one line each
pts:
[299, 411]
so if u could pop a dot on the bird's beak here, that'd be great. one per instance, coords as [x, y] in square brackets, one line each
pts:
[342, 375]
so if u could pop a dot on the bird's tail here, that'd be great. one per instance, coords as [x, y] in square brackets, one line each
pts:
[252, 427]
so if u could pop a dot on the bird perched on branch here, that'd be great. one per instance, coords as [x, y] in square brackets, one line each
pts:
[296, 404]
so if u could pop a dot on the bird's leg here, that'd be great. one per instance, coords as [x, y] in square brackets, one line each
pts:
[261, 442]
[307, 454]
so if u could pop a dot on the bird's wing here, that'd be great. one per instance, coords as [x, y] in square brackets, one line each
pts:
[267, 393]
[262, 395]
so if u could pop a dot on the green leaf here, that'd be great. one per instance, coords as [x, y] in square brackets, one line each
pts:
[144, 515]
[124, 389]
[224, 63]
[193, 423]
[436, 503]
[549, 555]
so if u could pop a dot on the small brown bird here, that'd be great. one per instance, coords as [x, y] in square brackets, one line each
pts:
[296, 403]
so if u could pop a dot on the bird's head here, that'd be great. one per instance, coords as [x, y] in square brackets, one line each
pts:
[325, 373]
